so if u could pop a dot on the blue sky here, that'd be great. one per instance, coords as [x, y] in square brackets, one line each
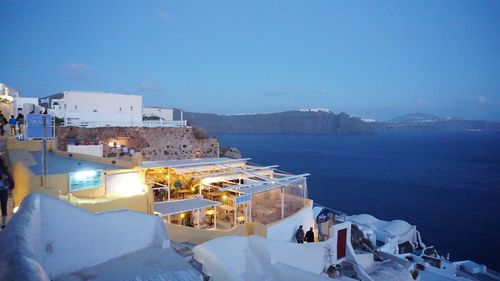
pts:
[375, 59]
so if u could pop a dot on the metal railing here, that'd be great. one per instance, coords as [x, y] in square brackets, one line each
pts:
[164, 123]
[145, 123]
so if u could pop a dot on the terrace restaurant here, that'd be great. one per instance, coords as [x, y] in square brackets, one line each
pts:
[223, 193]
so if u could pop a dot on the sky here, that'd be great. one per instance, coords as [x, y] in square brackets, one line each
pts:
[372, 59]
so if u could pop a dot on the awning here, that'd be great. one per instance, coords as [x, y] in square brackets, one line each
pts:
[180, 206]
[258, 187]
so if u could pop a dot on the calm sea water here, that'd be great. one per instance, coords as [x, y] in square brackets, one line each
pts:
[448, 184]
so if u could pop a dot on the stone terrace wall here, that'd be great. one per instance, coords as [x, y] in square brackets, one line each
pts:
[153, 143]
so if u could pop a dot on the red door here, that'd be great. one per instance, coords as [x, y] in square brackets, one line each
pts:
[341, 243]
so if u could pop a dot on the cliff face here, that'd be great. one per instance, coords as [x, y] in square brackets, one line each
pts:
[153, 143]
[289, 122]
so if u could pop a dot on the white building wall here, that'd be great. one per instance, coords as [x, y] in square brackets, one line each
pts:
[94, 150]
[26, 105]
[163, 113]
[7, 95]
[285, 230]
[103, 107]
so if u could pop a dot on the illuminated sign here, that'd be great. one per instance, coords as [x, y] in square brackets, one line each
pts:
[39, 126]
[85, 180]
[243, 199]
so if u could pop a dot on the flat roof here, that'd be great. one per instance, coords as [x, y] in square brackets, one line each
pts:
[56, 164]
[186, 205]
[191, 162]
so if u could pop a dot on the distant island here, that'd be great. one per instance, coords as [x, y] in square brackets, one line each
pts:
[422, 121]
[324, 121]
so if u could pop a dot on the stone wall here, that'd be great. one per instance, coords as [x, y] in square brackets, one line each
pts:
[153, 143]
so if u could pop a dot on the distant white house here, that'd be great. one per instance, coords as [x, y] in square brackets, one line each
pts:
[95, 109]
[167, 114]
[102, 109]
[7, 96]
[26, 105]
[162, 113]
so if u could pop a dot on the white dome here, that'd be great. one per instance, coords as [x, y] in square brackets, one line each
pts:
[396, 227]
[363, 219]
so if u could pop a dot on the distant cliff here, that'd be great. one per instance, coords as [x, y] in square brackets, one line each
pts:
[426, 122]
[289, 122]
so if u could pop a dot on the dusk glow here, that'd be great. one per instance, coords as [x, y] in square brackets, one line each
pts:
[373, 60]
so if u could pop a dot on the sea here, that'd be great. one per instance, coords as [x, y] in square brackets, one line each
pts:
[446, 183]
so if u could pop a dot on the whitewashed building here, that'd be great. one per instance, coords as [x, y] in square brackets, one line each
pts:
[160, 112]
[26, 105]
[95, 109]
[7, 96]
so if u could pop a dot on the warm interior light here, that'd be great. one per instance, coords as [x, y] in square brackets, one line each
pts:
[193, 189]
[111, 144]
[182, 215]
[224, 197]
[15, 209]
[126, 184]
[84, 175]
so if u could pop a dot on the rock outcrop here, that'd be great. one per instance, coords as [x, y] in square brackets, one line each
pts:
[152, 143]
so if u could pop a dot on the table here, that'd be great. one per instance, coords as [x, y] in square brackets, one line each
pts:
[216, 194]
[183, 192]
[226, 208]
[240, 219]
[264, 210]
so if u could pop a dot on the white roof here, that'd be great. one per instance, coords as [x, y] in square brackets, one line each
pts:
[191, 162]
[262, 186]
[179, 206]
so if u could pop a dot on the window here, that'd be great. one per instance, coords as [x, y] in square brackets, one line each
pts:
[131, 108]
[76, 107]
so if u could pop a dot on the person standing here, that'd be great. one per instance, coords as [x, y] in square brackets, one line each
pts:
[12, 124]
[299, 235]
[3, 122]
[310, 235]
[20, 122]
[4, 196]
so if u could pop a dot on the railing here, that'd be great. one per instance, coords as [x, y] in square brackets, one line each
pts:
[145, 123]
[165, 123]
[339, 216]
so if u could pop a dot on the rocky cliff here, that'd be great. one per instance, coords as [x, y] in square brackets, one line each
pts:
[152, 143]
[289, 122]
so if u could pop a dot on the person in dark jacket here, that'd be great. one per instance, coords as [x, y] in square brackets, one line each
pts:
[4, 196]
[299, 235]
[310, 235]
[3, 122]
[20, 122]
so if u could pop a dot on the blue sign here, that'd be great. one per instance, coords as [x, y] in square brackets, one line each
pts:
[85, 180]
[39, 126]
[243, 199]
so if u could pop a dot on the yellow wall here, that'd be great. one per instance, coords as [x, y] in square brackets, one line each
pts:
[57, 184]
[138, 203]
[29, 145]
[22, 179]
[182, 234]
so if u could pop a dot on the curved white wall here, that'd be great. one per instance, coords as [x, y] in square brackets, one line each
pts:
[50, 237]
[285, 230]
